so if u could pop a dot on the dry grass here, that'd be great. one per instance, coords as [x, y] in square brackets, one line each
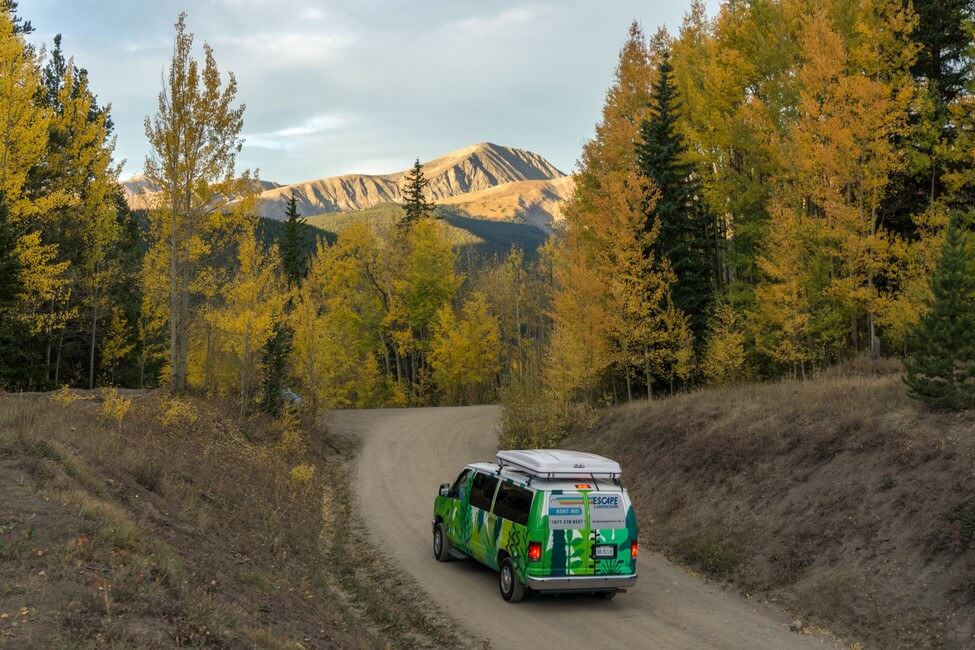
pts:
[173, 525]
[839, 497]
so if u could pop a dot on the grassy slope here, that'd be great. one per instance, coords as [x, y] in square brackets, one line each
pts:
[838, 497]
[193, 533]
[481, 237]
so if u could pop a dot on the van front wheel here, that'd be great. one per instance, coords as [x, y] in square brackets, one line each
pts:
[441, 545]
[511, 590]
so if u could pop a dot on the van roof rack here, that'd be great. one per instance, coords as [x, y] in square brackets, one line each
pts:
[559, 464]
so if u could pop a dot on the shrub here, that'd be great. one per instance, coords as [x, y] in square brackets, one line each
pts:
[302, 474]
[176, 412]
[65, 396]
[115, 406]
[531, 417]
[290, 442]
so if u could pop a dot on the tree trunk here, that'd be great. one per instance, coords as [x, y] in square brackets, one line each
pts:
[50, 340]
[57, 362]
[173, 306]
[91, 347]
[142, 366]
[874, 341]
[184, 326]
[245, 362]
[646, 366]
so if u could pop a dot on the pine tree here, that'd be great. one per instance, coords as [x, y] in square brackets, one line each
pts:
[414, 194]
[21, 26]
[941, 370]
[294, 256]
[12, 334]
[681, 216]
[10, 266]
[274, 365]
[944, 34]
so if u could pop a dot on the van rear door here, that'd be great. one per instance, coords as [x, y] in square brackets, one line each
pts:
[613, 527]
[589, 532]
[570, 540]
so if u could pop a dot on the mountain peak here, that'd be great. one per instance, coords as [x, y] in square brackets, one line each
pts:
[474, 168]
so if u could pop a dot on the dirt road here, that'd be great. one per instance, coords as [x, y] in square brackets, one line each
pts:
[408, 453]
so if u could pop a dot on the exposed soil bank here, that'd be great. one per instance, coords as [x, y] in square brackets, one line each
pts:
[838, 497]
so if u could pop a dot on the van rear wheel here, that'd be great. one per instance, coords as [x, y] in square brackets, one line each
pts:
[605, 595]
[441, 545]
[511, 589]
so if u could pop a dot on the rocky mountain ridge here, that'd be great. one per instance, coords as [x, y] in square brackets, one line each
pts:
[486, 180]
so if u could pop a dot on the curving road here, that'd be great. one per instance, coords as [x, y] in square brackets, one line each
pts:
[408, 453]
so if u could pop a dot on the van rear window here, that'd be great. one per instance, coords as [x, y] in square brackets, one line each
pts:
[606, 510]
[566, 511]
[513, 503]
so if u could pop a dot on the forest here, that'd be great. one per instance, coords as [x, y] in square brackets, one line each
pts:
[771, 190]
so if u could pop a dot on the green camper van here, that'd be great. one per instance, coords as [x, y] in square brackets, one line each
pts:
[546, 520]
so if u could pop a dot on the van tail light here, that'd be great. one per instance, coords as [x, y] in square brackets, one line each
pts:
[634, 548]
[534, 551]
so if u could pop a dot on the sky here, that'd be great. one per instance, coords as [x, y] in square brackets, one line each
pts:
[364, 86]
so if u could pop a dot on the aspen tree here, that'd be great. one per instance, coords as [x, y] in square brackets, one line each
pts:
[254, 300]
[194, 138]
[465, 352]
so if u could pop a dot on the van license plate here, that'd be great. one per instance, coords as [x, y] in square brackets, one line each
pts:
[605, 550]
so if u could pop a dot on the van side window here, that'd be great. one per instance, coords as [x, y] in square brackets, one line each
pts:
[482, 492]
[460, 484]
[513, 503]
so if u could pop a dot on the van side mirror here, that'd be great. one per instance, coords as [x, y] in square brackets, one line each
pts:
[445, 489]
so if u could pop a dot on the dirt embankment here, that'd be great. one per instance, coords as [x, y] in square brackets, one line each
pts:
[183, 525]
[838, 497]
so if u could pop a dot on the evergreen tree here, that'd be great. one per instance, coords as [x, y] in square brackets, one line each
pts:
[294, 256]
[941, 371]
[415, 202]
[275, 368]
[12, 334]
[10, 266]
[943, 33]
[679, 213]
[944, 60]
[21, 26]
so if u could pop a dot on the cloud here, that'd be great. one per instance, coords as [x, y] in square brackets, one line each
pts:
[286, 48]
[316, 124]
[312, 13]
[483, 25]
[289, 138]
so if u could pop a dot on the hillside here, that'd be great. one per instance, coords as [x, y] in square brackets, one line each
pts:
[141, 193]
[471, 169]
[838, 498]
[182, 525]
[538, 203]
[482, 238]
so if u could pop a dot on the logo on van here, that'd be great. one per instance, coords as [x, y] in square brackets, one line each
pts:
[578, 466]
[604, 501]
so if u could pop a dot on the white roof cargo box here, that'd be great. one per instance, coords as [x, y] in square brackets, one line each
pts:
[558, 463]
